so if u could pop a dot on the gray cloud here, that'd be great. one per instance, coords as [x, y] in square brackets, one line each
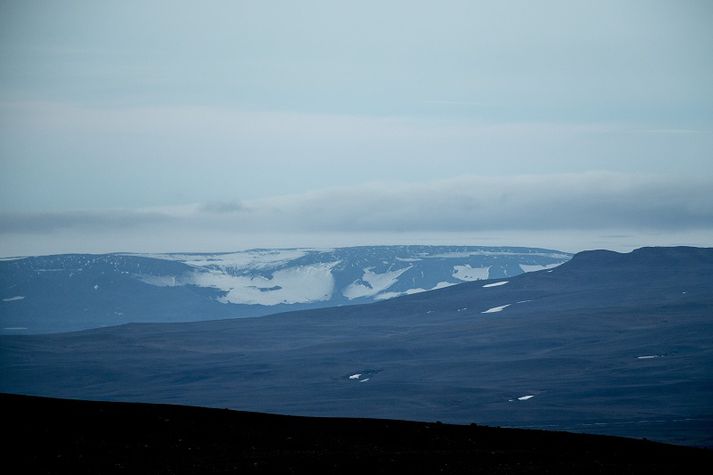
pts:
[91, 221]
[579, 202]
[576, 202]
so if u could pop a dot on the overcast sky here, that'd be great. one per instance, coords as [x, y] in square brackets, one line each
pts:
[177, 126]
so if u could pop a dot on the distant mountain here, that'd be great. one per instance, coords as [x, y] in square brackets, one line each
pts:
[610, 343]
[81, 291]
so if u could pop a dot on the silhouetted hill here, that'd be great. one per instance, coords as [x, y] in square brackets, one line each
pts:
[52, 436]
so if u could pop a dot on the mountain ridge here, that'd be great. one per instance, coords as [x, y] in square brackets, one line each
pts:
[573, 348]
[76, 291]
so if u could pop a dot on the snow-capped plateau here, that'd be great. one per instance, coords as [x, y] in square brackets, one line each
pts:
[79, 291]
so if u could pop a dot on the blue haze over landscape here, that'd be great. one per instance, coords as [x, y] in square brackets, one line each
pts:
[463, 211]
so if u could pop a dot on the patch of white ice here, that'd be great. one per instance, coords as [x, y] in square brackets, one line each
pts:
[497, 309]
[377, 283]
[469, 274]
[355, 376]
[390, 295]
[525, 398]
[301, 284]
[14, 299]
[159, 280]
[457, 254]
[496, 284]
[253, 259]
[648, 357]
[536, 267]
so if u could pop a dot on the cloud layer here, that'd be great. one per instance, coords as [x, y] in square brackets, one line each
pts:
[592, 203]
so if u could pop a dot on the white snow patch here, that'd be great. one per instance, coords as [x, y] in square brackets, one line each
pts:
[407, 259]
[301, 284]
[443, 285]
[377, 283]
[525, 398]
[497, 309]
[14, 299]
[159, 280]
[2, 259]
[536, 267]
[253, 259]
[457, 254]
[496, 284]
[364, 380]
[390, 295]
[648, 357]
[355, 376]
[462, 309]
[468, 274]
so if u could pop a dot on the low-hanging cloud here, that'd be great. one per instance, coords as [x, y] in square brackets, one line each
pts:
[590, 201]
[566, 211]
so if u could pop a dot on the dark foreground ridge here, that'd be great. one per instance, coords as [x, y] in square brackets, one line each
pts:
[70, 436]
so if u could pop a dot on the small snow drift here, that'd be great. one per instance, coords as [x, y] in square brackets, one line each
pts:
[14, 299]
[467, 273]
[496, 284]
[537, 267]
[497, 309]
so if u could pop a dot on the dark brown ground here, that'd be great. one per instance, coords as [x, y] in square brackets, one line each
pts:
[80, 437]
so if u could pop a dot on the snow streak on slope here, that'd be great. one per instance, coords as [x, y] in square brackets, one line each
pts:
[496, 284]
[372, 283]
[497, 309]
[390, 295]
[534, 268]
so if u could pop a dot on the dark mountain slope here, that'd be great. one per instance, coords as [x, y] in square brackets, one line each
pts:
[607, 343]
[64, 436]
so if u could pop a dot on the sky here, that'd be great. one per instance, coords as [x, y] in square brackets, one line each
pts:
[155, 126]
